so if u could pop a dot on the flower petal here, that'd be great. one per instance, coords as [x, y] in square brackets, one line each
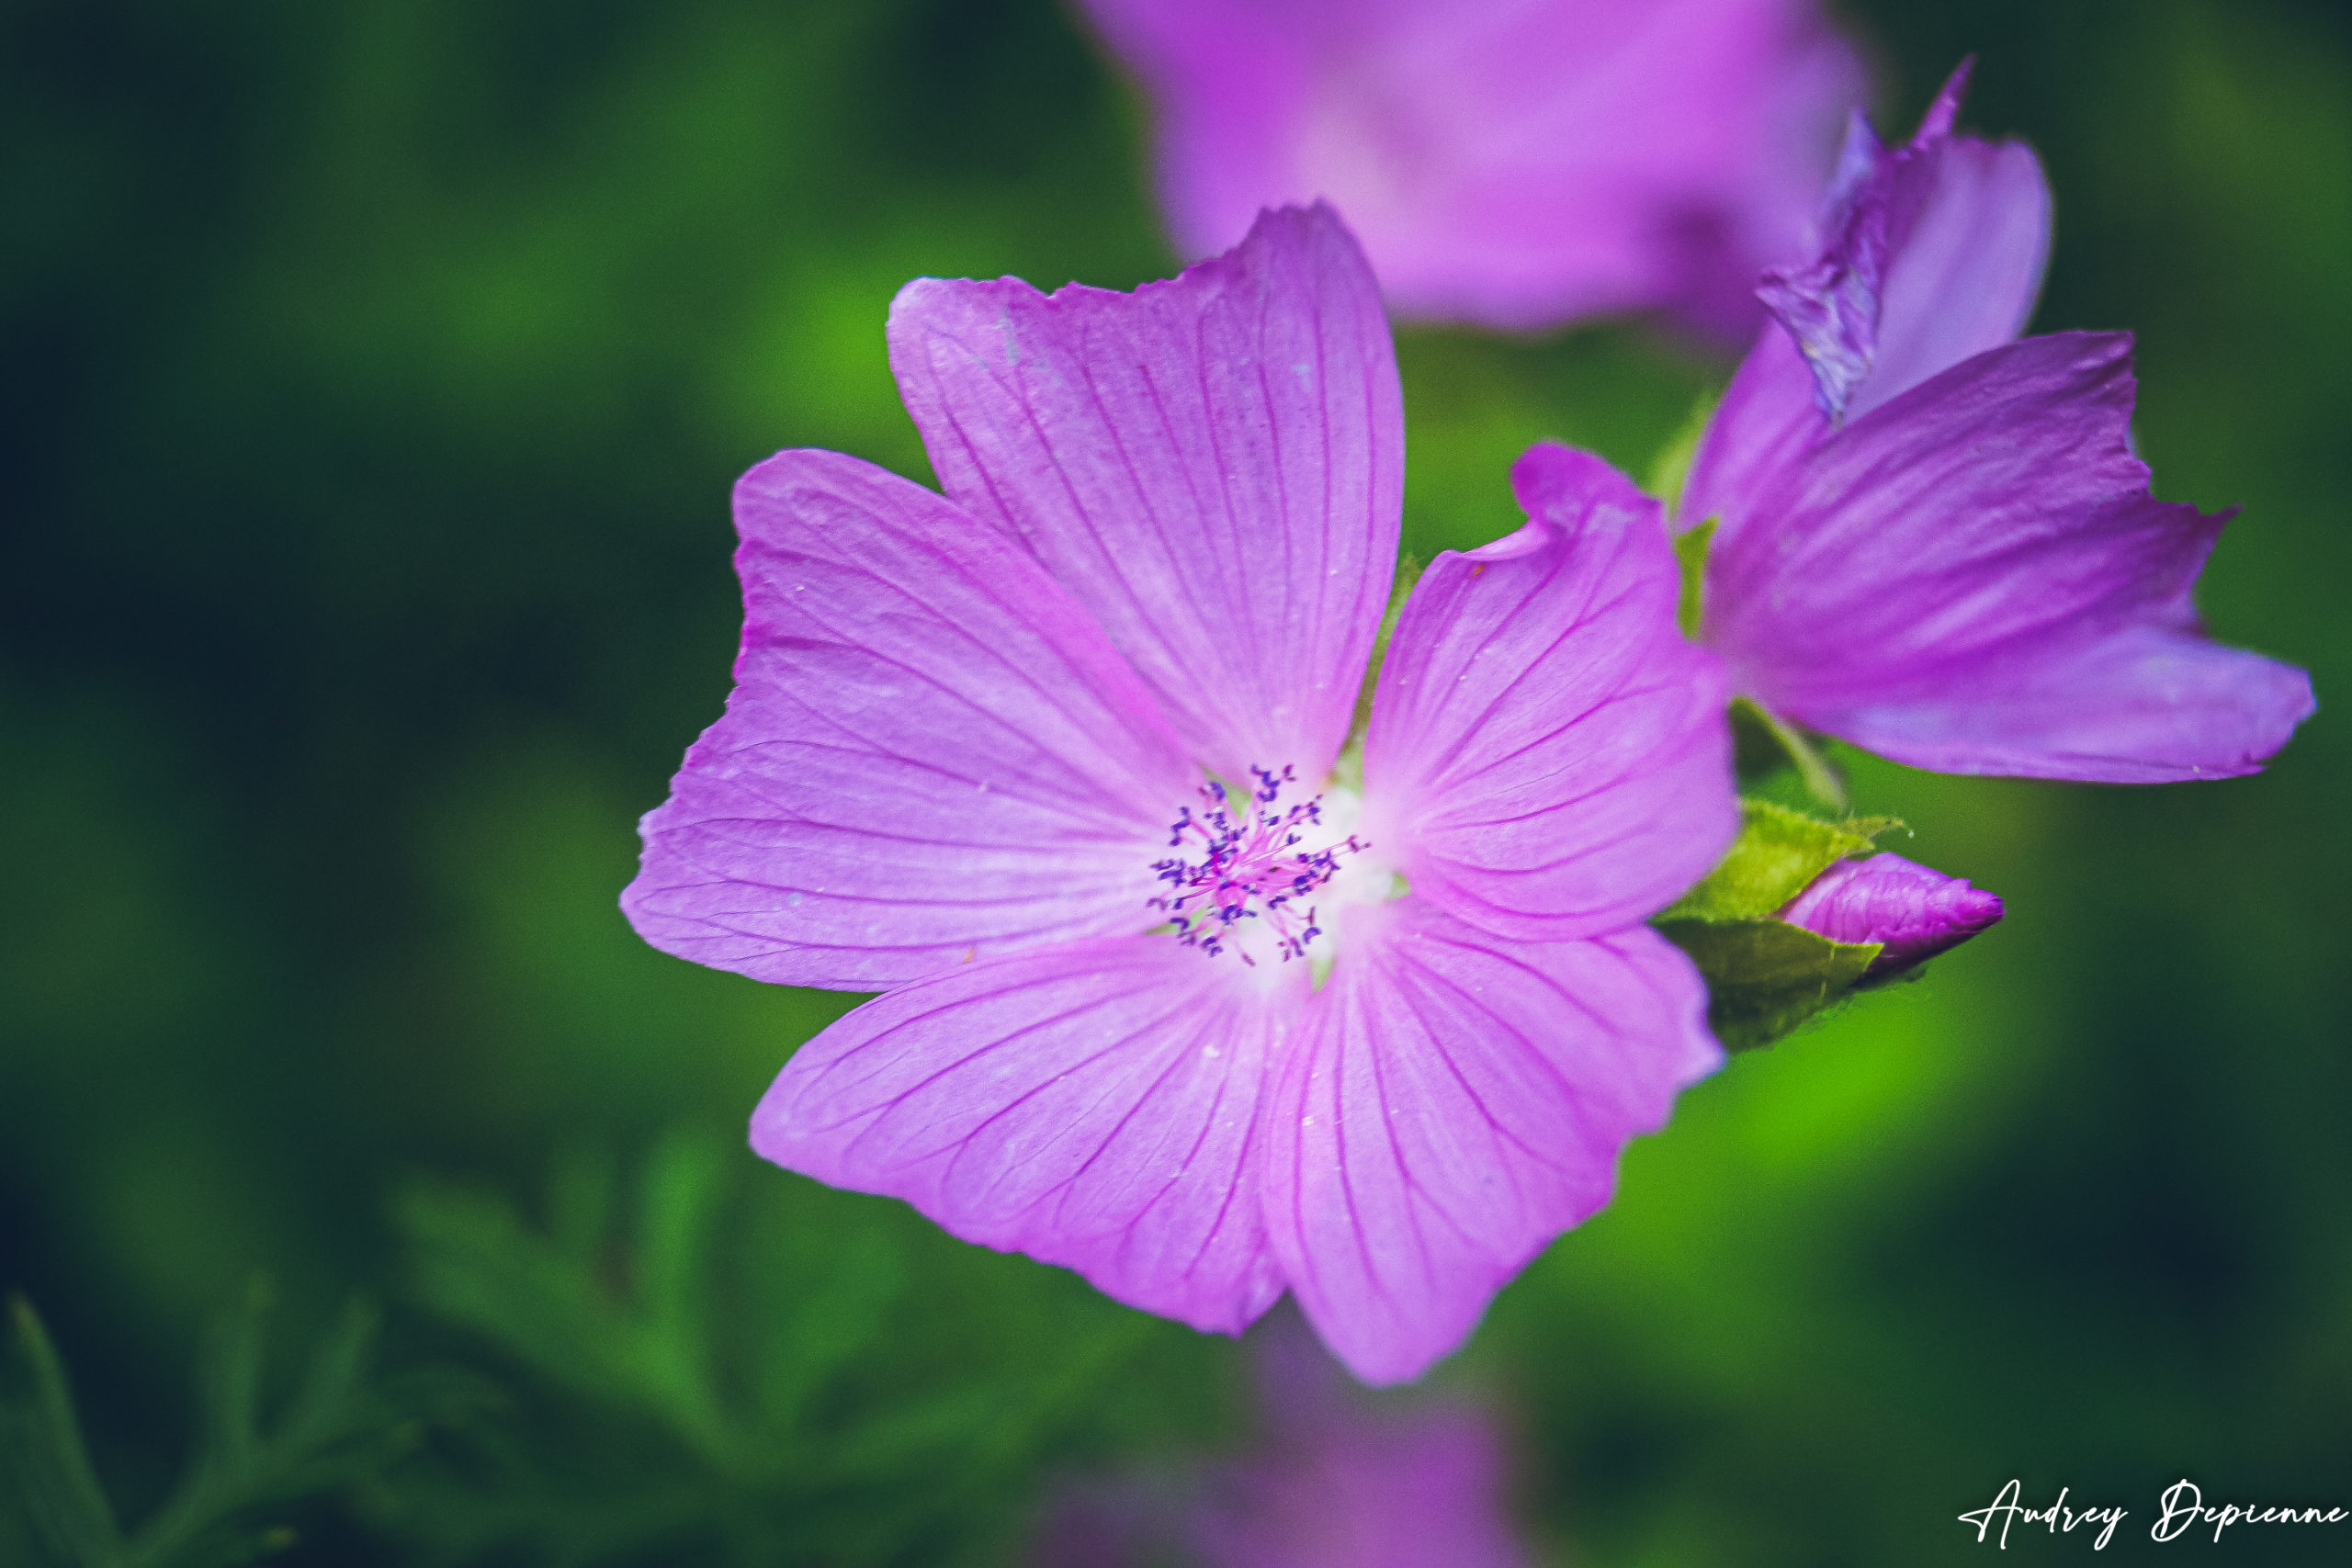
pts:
[1932, 252]
[1913, 911]
[1094, 1105]
[1967, 278]
[1213, 466]
[2147, 705]
[1548, 757]
[930, 751]
[1763, 427]
[1975, 573]
[1449, 1105]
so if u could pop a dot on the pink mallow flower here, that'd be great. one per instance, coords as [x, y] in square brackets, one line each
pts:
[1510, 163]
[1055, 761]
[1935, 541]
[1913, 910]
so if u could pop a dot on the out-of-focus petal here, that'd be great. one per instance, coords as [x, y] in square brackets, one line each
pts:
[1547, 757]
[1212, 465]
[1094, 1105]
[1975, 573]
[930, 752]
[2147, 705]
[1913, 911]
[1449, 1105]
[1415, 1492]
[1512, 163]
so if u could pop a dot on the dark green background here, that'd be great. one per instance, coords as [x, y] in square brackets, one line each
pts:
[375, 374]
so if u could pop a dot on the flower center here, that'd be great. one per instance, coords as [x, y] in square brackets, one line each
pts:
[1247, 867]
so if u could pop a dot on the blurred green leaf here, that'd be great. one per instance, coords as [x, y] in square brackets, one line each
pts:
[41, 1441]
[691, 1389]
[338, 1428]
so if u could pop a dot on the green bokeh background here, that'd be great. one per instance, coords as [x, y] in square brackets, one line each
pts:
[375, 374]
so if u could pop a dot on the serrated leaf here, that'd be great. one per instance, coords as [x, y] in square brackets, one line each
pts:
[1777, 855]
[228, 1386]
[1691, 550]
[549, 1301]
[1765, 977]
[44, 1444]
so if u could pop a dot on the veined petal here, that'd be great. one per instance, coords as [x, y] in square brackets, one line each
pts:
[1212, 465]
[1974, 576]
[1547, 757]
[1967, 278]
[1093, 1105]
[930, 752]
[2147, 705]
[1931, 253]
[1449, 1105]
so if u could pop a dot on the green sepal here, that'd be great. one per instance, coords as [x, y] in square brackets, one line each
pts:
[1691, 550]
[1776, 857]
[1765, 977]
[1762, 746]
[1408, 574]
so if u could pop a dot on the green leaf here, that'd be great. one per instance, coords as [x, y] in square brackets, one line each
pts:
[637, 1339]
[337, 1430]
[1776, 857]
[1765, 977]
[1690, 549]
[228, 1386]
[842, 1316]
[41, 1437]
[1762, 746]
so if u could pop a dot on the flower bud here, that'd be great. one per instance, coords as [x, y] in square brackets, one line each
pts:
[1913, 912]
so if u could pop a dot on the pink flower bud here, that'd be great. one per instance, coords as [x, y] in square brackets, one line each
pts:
[1915, 911]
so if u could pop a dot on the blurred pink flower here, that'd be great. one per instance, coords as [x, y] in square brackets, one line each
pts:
[1334, 1484]
[982, 755]
[1933, 539]
[1515, 163]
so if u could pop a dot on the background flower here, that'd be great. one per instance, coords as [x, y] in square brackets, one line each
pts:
[1937, 543]
[1332, 1482]
[1513, 163]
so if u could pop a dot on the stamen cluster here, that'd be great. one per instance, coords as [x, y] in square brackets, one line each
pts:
[1250, 866]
